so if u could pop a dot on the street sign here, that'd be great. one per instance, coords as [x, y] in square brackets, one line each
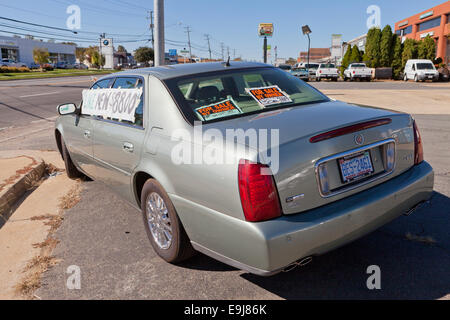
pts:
[265, 29]
[172, 52]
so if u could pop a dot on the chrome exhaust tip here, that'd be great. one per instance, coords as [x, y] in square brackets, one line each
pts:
[414, 208]
[300, 263]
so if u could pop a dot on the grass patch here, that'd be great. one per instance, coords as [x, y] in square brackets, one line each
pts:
[51, 74]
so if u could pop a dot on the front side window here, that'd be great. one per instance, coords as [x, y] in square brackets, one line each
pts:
[234, 93]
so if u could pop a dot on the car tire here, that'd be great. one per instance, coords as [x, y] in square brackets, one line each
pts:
[71, 171]
[318, 79]
[180, 247]
[405, 78]
[416, 79]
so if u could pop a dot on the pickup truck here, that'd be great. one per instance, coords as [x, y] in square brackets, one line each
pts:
[357, 71]
[327, 71]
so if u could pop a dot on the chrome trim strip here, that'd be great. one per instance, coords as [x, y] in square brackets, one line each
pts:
[232, 262]
[348, 153]
[110, 165]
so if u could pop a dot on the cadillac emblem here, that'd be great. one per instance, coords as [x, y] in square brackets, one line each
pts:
[359, 139]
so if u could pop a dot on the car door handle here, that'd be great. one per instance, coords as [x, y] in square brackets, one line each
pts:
[87, 134]
[128, 147]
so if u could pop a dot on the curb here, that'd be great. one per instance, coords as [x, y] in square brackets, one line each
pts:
[16, 190]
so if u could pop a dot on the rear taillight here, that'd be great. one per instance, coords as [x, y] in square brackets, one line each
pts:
[353, 72]
[259, 196]
[418, 147]
[320, 71]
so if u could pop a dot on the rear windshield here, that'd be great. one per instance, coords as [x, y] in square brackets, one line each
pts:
[298, 69]
[358, 65]
[312, 66]
[285, 67]
[234, 93]
[327, 65]
[424, 66]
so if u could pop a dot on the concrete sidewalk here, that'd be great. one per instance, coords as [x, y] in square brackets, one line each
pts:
[26, 243]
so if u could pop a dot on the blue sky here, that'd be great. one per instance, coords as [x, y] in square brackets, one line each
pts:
[233, 22]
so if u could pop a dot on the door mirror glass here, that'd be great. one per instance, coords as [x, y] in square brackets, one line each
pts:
[67, 108]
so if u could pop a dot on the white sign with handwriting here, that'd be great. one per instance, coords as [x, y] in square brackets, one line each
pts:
[111, 103]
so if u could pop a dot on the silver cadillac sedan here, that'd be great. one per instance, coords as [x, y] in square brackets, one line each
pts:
[243, 161]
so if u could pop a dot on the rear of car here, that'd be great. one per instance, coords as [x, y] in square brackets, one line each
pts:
[312, 68]
[327, 71]
[343, 170]
[300, 73]
[358, 71]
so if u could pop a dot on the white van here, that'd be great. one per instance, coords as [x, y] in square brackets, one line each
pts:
[420, 70]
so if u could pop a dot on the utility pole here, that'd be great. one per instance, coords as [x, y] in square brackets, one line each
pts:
[152, 26]
[276, 54]
[188, 31]
[228, 52]
[234, 54]
[222, 47]
[209, 46]
[158, 5]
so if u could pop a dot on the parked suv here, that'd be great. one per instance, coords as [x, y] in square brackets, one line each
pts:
[420, 70]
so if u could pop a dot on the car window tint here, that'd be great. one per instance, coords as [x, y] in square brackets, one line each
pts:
[102, 84]
[124, 83]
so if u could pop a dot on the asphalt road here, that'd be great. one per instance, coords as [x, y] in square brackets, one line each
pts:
[105, 236]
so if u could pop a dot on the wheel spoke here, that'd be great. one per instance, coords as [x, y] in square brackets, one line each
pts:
[159, 220]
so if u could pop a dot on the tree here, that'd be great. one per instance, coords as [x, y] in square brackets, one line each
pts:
[372, 55]
[409, 51]
[355, 55]
[346, 59]
[397, 66]
[426, 48]
[386, 47]
[40, 56]
[97, 59]
[143, 54]
[291, 61]
[121, 48]
[80, 54]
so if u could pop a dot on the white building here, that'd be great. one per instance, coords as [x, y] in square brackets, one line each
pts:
[360, 42]
[21, 50]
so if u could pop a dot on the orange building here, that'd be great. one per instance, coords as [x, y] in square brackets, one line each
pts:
[315, 54]
[434, 22]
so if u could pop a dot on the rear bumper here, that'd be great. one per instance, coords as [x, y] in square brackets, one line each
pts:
[266, 248]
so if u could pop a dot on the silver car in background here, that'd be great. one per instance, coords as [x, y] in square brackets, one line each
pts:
[332, 173]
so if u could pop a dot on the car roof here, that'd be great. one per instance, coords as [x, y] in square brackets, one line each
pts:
[419, 60]
[179, 70]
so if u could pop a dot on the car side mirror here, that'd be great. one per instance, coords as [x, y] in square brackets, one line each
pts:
[67, 108]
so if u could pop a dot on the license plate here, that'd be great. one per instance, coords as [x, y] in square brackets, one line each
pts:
[355, 167]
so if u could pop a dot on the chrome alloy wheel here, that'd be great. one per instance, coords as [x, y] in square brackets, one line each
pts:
[159, 221]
